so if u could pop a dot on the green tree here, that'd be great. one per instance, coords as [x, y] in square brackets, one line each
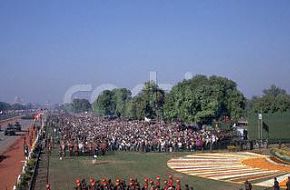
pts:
[282, 102]
[104, 104]
[4, 106]
[120, 98]
[202, 99]
[274, 99]
[150, 101]
[80, 105]
[18, 107]
[274, 91]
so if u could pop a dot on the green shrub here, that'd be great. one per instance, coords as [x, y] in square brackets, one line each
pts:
[281, 154]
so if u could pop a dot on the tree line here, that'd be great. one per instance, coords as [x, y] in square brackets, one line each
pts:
[6, 106]
[199, 100]
[273, 100]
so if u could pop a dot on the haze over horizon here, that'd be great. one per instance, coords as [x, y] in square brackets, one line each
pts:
[48, 46]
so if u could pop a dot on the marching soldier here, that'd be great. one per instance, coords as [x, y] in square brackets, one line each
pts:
[78, 184]
[92, 185]
[48, 187]
[157, 184]
[117, 185]
[145, 187]
[178, 185]
[151, 187]
[170, 181]
[131, 185]
[166, 186]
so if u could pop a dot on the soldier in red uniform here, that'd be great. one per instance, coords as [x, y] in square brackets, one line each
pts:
[166, 186]
[71, 147]
[178, 185]
[170, 181]
[131, 184]
[117, 184]
[92, 185]
[78, 184]
[104, 183]
[48, 187]
[151, 186]
[157, 184]
[145, 187]
[76, 146]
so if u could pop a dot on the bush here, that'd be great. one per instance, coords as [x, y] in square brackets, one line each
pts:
[232, 148]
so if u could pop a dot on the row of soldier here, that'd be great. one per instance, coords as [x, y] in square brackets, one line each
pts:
[133, 184]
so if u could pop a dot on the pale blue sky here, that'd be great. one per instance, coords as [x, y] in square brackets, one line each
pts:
[48, 46]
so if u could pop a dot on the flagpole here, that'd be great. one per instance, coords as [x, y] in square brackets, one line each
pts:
[262, 127]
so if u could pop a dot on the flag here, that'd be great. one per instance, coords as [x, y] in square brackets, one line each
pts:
[147, 119]
[265, 127]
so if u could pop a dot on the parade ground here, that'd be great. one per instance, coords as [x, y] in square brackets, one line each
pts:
[126, 165]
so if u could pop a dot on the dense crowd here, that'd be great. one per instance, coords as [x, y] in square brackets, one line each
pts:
[88, 134]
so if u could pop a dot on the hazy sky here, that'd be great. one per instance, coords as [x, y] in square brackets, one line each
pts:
[48, 46]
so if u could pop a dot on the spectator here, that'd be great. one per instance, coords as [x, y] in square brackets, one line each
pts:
[276, 184]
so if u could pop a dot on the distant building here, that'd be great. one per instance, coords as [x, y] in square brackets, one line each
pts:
[18, 100]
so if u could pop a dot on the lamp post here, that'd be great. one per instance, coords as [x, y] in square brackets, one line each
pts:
[260, 125]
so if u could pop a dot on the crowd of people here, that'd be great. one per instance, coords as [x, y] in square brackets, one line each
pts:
[88, 134]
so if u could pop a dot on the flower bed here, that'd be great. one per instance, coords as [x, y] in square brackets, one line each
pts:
[281, 154]
[262, 163]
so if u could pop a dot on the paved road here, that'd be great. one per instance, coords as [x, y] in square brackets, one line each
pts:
[4, 123]
[7, 141]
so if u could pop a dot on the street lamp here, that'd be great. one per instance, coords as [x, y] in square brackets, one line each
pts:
[260, 125]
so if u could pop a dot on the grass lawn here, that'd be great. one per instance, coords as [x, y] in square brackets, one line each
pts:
[124, 165]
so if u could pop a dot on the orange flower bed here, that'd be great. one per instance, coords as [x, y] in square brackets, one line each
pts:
[264, 164]
[283, 183]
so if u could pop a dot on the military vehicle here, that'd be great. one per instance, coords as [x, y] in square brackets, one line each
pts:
[17, 126]
[12, 129]
[9, 131]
